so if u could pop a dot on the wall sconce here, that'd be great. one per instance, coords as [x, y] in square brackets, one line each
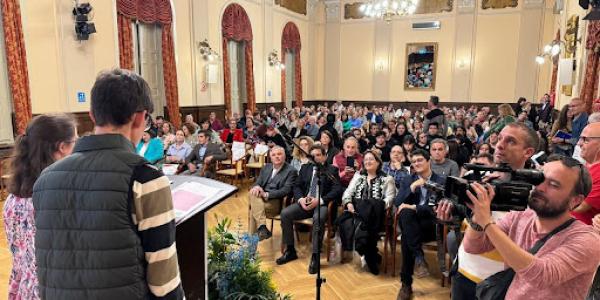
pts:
[463, 63]
[208, 54]
[551, 50]
[380, 65]
[274, 61]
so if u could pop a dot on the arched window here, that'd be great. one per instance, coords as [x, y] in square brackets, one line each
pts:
[141, 44]
[291, 76]
[237, 60]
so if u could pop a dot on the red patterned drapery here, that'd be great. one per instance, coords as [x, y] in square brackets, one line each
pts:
[290, 40]
[589, 87]
[553, 79]
[236, 26]
[125, 42]
[150, 12]
[17, 63]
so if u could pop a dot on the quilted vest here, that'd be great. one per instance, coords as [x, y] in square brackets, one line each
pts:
[86, 243]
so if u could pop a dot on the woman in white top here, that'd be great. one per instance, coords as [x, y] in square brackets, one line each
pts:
[369, 194]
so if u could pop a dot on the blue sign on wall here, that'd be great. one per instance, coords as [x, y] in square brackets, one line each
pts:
[81, 97]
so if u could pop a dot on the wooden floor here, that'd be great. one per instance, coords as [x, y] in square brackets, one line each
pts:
[344, 281]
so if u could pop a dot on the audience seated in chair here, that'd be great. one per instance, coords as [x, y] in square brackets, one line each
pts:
[150, 147]
[204, 156]
[417, 220]
[179, 150]
[274, 182]
[232, 133]
[305, 197]
[368, 195]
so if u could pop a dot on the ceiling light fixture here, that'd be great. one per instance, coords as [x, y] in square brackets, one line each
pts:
[387, 9]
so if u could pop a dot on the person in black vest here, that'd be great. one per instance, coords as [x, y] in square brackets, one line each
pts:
[306, 202]
[106, 213]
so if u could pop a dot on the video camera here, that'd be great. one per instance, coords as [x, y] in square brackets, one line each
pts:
[512, 194]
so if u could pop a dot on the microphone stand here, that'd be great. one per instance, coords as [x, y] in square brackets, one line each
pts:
[317, 227]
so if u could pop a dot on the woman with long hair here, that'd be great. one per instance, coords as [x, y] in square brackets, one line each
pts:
[326, 140]
[191, 138]
[369, 193]
[563, 123]
[167, 135]
[505, 115]
[298, 157]
[48, 138]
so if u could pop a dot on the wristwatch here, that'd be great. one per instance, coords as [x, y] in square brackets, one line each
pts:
[474, 225]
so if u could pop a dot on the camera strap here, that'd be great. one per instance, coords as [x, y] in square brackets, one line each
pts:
[536, 247]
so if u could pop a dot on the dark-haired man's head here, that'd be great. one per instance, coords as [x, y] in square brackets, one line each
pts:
[516, 144]
[434, 101]
[566, 185]
[121, 103]
[420, 162]
[433, 128]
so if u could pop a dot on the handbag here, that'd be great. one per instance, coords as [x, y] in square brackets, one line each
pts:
[496, 286]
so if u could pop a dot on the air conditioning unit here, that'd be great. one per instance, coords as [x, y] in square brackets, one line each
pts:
[433, 25]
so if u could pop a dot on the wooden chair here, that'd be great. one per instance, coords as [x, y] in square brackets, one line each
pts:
[440, 246]
[234, 173]
[327, 233]
[259, 164]
[4, 176]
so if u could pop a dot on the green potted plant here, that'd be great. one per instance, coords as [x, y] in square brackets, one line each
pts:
[234, 266]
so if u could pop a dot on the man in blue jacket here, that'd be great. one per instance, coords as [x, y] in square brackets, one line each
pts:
[416, 219]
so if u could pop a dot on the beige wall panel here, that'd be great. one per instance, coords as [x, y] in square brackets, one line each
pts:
[356, 61]
[496, 56]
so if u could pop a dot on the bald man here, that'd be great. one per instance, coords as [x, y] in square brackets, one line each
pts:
[589, 141]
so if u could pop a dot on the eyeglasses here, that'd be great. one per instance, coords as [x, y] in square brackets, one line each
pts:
[587, 139]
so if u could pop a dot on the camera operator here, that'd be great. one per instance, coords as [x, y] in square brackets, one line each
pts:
[516, 144]
[564, 266]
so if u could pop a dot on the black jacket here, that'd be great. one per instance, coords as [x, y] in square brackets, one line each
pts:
[331, 189]
[406, 196]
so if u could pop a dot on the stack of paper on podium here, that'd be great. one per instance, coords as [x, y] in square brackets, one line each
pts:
[191, 196]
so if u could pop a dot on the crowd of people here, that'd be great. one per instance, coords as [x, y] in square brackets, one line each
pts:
[103, 193]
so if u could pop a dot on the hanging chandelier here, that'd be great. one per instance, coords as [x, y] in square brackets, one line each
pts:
[387, 9]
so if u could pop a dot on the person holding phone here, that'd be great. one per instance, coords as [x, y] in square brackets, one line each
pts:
[348, 161]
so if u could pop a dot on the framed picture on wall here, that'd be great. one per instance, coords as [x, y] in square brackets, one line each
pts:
[421, 62]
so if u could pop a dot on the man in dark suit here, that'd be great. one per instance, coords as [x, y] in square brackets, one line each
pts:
[274, 182]
[305, 197]
[417, 219]
[205, 154]
[546, 110]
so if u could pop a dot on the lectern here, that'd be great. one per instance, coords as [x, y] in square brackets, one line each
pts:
[191, 235]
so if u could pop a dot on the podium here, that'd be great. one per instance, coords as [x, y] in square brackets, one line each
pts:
[191, 237]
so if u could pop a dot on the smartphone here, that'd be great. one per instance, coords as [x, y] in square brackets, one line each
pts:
[350, 161]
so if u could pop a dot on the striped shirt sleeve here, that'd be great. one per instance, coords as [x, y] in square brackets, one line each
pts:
[155, 221]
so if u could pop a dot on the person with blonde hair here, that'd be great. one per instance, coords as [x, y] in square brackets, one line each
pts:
[506, 115]
[299, 157]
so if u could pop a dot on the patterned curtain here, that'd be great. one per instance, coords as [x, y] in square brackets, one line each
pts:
[236, 26]
[17, 63]
[290, 40]
[151, 12]
[125, 42]
[554, 77]
[590, 81]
